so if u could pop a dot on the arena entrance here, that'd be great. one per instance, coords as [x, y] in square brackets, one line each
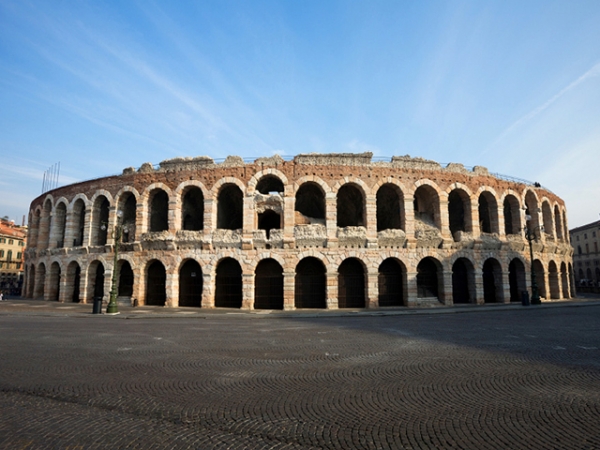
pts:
[390, 280]
[351, 284]
[309, 290]
[492, 281]
[125, 280]
[190, 284]
[516, 279]
[427, 278]
[462, 273]
[268, 285]
[156, 294]
[228, 289]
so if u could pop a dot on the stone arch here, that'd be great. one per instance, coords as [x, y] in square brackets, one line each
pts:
[459, 213]
[390, 207]
[351, 284]
[53, 281]
[310, 286]
[126, 279]
[190, 283]
[46, 217]
[310, 203]
[429, 278]
[100, 213]
[531, 203]
[230, 207]
[558, 223]
[58, 226]
[158, 210]
[95, 280]
[463, 281]
[228, 284]
[553, 280]
[192, 208]
[156, 281]
[351, 205]
[268, 285]
[512, 214]
[488, 211]
[540, 277]
[267, 179]
[547, 219]
[40, 281]
[392, 283]
[79, 207]
[127, 202]
[426, 204]
[516, 279]
[73, 284]
[493, 291]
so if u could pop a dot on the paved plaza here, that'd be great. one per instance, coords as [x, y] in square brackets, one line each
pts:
[502, 378]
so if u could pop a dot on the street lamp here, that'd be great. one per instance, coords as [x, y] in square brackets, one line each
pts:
[530, 236]
[117, 235]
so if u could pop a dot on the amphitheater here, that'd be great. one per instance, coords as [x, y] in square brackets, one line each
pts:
[313, 231]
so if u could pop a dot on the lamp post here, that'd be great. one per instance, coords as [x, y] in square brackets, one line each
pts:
[117, 235]
[530, 236]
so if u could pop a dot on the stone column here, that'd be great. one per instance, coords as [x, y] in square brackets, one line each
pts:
[332, 290]
[69, 230]
[505, 287]
[479, 286]
[445, 222]
[445, 288]
[208, 291]
[87, 227]
[372, 290]
[409, 220]
[411, 289]
[172, 290]
[248, 291]
[371, 220]
[289, 284]
[249, 224]
[83, 284]
[62, 286]
[475, 218]
[331, 221]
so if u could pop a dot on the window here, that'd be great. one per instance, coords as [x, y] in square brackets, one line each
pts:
[9, 255]
[585, 235]
[18, 265]
[593, 233]
[1, 253]
[11, 242]
[577, 237]
[19, 255]
[587, 249]
[2, 240]
[21, 244]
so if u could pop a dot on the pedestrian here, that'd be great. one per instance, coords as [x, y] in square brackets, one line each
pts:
[1, 296]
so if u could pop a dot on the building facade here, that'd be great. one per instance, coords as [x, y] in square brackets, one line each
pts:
[317, 231]
[586, 256]
[13, 241]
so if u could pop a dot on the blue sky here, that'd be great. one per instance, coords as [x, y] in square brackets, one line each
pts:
[100, 86]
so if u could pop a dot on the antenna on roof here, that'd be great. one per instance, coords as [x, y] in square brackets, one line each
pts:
[50, 180]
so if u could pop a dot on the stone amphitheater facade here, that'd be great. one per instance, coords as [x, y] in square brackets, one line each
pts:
[316, 231]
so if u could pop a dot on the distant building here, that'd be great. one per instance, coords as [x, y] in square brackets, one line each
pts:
[13, 240]
[586, 257]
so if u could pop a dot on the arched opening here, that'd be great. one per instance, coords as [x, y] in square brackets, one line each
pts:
[553, 280]
[228, 289]
[516, 279]
[351, 284]
[190, 284]
[78, 222]
[571, 278]
[40, 282]
[159, 210]
[192, 209]
[59, 220]
[128, 205]
[44, 230]
[125, 279]
[310, 201]
[310, 284]
[488, 213]
[269, 184]
[268, 285]
[548, 222]
[73, 282]
[391, 280]
[350, 207]
[463, 281]
[156, 282]
[427, 278]
[54, 282]
[492, 281]
[390, 208]
[269, 220]
[557, 223]
[565, 280]
[512, 215]
[459, 212]
[31, 281]
[531, 209]
[427, 207]
[540, 277]
[230, 212]
[97, 279]
[34, 229]
[100, 220]
[564, 221]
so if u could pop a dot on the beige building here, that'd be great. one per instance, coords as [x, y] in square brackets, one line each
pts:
[13, 240]
[317, 231]
[586, 256]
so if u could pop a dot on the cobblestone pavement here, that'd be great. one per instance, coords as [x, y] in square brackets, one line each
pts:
[510, 379]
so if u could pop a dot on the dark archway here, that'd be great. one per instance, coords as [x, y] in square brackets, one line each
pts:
[40, 282]
[125, 280]
[516, 279]
[230, 214]
[98, 289]
[54, 282]
[192, 210]
[269, 220]
[350, 207]
[78, 223]
[228, 289]
[391, 279]
[159, 210]
[427, 278]
[351, 284]
[73, 282]
[190, 284]
[553, 280]
[492, 281]
[463, 282]
[268, 285]
[100, 217]
[156, 282]
[128, 205]
[310, 201]
[512, 215]
[310, 284]
[390, 208]
[459, 212]
[540, 277]
[557, 223]
[31, 281]
[488, 213]
[269, 184]
[59, 222]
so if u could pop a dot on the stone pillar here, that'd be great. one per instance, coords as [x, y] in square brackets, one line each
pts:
[87, 227]
[505, 287]
[289, 284]
[409, 220]
[69, 230]
[108, 273]
[372, 290]
[445, 288]
[331, 221]
[83, 284]
[209, 225]
[445, 220]
[332, 290]
[172, 216]
[248, 291]
[411, 288]
[289, 203]
[249, 225]
[172, 290]
[208, 291]
[479, 286]
[501, 228]
[371, 218]
[62, 287]
[44, 230]
[112, 222]
[475, 218]
[139, 288]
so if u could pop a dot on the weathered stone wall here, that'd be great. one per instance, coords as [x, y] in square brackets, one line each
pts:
[295, 236]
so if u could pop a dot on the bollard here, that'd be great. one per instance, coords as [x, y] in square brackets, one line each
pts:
[525, 298]
[97, 305]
